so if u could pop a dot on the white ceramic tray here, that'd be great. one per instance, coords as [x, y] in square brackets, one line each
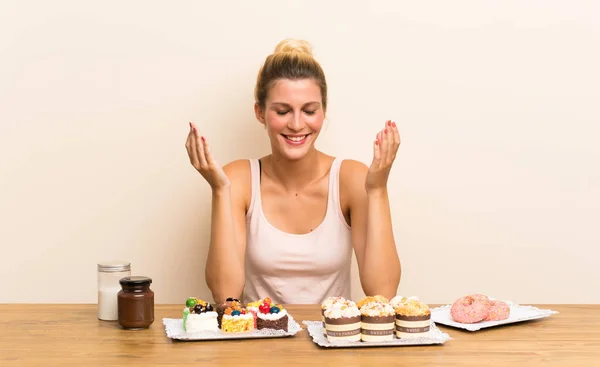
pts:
[518, 313]
[315, 330]
[174, 330]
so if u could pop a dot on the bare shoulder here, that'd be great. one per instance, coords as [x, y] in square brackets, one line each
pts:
[238, 169]
[353, 174]
[238, 172]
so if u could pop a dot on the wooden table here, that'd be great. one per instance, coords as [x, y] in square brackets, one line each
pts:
[47, 335]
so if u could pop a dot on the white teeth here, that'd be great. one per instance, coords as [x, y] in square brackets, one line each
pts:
[296, 138]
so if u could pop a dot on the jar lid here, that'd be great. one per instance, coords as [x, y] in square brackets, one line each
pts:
[114, 266]
[135, 280]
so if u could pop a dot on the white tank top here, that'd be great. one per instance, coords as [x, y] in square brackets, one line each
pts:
[297, 268]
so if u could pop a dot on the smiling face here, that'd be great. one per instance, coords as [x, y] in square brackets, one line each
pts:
[293, 115]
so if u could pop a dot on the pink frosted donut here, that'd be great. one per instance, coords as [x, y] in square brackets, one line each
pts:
[499, 310]
[482, 298]
[469, 310]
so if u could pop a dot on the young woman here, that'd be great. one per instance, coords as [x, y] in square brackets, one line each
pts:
[284, 226]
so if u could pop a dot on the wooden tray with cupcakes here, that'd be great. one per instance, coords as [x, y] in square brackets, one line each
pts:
[375, 321]
[231, 320]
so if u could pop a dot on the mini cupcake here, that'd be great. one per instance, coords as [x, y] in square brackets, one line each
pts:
[230, 302]
[236, 320]
[398, 300]
[377, 322]
[342, 323]
[413, 319]
[329, 302]
[271, 316]
[199, 315]
[378, 299]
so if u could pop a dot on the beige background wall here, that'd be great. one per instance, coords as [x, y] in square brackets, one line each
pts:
[496, 188]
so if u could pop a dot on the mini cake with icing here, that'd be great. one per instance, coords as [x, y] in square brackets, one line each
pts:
[378, 299]
[230, 302]
[342, 323]
[377, 322]
[236, 320]
[329, 302]
[271, 316]
[413, 319]
[252, 307]
[199, 315]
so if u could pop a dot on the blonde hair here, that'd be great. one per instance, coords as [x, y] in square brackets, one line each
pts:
[292, 59]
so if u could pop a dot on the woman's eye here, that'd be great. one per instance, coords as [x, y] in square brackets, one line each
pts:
[282, 113]
[310, 112]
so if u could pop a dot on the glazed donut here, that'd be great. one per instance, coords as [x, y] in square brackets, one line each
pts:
[498, 310]
[469, 309]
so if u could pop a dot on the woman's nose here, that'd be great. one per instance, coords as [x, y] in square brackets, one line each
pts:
[296, 122]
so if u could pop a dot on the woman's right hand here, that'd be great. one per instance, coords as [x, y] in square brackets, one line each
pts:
[202, 160]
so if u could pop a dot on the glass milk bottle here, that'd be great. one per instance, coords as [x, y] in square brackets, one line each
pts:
[109, 274]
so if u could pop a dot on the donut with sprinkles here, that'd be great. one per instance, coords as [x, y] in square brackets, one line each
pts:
[469, 309]
[498, 310]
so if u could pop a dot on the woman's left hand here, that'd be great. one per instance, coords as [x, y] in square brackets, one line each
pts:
[385, 148]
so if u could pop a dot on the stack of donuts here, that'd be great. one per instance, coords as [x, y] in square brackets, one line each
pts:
[478, 307]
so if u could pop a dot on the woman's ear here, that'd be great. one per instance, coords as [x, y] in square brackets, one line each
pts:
[260, 114]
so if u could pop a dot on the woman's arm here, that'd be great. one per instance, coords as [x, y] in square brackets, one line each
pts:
[225, 265]
[371, 221]
[230, 186]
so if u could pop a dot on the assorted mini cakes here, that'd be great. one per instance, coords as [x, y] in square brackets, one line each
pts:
[372, 319]
[375, 319]
[229, 316]
[232, 317]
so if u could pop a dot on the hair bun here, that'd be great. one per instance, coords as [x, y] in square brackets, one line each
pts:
[294, 45]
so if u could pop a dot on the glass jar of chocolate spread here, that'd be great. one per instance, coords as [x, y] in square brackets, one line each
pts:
[136, 303]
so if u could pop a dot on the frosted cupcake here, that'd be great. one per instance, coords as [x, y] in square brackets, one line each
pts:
[413, 319]
[398, 300]
[378, 299]
[342, 323]
[377, 322]
[329, 302]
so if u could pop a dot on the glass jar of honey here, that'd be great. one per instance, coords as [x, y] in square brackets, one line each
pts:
[135, 303]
